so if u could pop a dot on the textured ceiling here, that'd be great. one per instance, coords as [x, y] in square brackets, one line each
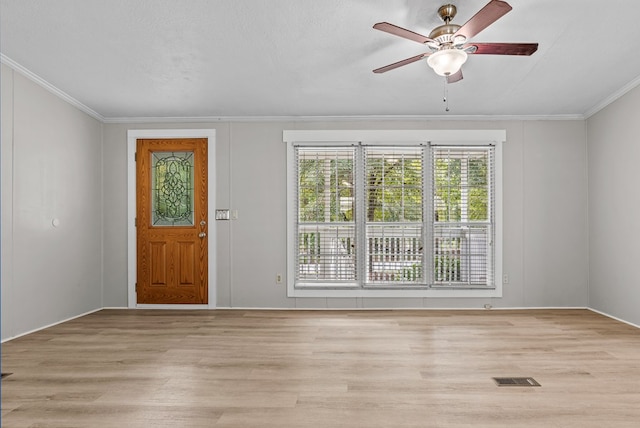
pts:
[239, 58]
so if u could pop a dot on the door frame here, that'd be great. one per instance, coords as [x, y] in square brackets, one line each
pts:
[132, 136]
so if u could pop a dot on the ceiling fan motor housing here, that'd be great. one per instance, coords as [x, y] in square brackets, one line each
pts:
[444, 33]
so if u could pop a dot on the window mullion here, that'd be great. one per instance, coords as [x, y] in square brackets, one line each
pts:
[428, 213]
[361, 215]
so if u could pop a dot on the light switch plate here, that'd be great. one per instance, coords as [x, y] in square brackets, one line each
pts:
[222, 214]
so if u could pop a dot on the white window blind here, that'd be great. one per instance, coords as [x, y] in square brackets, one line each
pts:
[463, 217]
[394, 183]
[326, 233]
[399, 219]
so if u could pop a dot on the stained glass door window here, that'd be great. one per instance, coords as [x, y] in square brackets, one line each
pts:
[172, 188]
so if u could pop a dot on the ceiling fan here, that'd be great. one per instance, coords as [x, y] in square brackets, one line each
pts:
[449, 45]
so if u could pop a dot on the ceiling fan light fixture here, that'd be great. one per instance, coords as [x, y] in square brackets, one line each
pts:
[447, 62]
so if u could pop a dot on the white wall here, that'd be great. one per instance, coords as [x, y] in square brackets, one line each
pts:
[57, 162]
[50, 169]
[545, 203]
[614, 208]
[555, 218]
[6, 215]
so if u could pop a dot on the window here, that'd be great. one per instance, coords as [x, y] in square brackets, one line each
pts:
[326, 233]
[462, 228]
[393, 220]
[172, 188]
[394, 213]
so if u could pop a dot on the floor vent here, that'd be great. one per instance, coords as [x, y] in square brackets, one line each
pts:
[6, 374]
[516, 381]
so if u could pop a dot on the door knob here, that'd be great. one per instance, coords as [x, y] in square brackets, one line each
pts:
[202, 234]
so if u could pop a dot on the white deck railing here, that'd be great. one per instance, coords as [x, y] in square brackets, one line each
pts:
[394, 254]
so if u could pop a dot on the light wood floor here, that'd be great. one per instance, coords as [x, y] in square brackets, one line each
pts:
[121, 368]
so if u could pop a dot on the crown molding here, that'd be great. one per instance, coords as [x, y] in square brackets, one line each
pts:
[611, 98]
[49, 87]
[372, 118]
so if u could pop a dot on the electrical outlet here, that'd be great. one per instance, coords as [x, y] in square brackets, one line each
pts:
[278, 278]
[505, 278]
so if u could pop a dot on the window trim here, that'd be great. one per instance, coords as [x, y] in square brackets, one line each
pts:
[390, 138]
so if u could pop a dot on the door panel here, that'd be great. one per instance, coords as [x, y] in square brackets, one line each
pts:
[187, 263]
[171, 186]
[158, 263]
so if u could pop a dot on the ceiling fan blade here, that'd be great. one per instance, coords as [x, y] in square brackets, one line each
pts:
[401, 32]
[502, 48]
[486, 16]
[456, 77]
[400, 63]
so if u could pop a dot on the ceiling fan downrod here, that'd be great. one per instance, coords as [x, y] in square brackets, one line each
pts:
[444, 33]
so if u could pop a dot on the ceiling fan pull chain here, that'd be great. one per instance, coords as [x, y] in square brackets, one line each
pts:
[445, 98]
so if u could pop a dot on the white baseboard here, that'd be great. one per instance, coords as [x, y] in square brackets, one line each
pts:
[614, 318]
[50, 325]
[418, 308]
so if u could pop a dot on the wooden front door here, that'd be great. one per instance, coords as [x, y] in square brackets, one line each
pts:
[171, 221]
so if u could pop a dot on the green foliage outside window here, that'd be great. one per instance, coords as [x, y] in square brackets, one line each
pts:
[449, 187]
[394, 188]
[311, 186]
[325, 183]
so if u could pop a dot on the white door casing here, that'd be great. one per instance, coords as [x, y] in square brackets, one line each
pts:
[132, 136]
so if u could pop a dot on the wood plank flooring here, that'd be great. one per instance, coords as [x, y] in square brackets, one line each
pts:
[235, 368]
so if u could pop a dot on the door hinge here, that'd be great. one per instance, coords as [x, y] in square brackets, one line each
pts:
[136, 287]
[135, 157]
[135, 222]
